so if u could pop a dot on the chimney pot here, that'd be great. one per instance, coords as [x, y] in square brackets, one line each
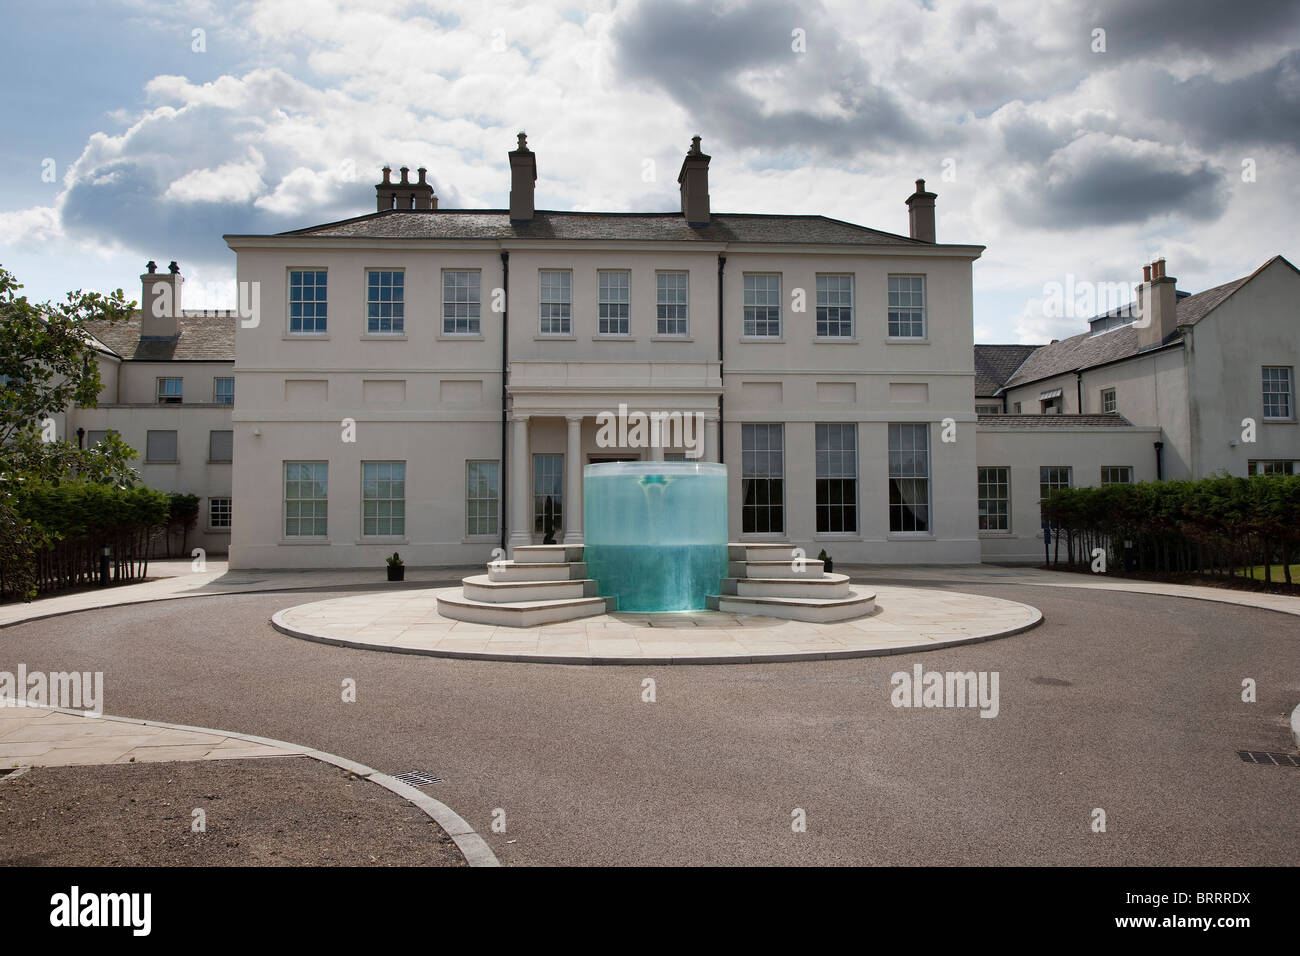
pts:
[151, 267]
[173, 268]
[421, 171]
[405, 181]
[388, 173]
[1146, 273]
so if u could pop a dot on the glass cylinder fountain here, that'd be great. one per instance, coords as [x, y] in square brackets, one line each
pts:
[656, 532]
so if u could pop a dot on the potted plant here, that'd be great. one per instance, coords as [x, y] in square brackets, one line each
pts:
[396, 568]
[827, 564]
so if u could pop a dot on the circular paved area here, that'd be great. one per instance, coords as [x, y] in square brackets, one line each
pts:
[905, 620]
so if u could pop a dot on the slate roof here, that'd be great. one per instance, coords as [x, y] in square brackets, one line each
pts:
[1087, 350]
[1111, 420]
[495, 224]
[203, 338]
[994, 364]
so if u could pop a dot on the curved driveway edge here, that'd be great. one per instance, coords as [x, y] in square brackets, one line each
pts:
[906, 620]
[471, 845]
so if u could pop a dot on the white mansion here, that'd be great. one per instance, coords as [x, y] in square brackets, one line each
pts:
[426, 380]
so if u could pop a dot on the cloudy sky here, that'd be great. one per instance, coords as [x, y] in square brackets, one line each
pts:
[1066, 151]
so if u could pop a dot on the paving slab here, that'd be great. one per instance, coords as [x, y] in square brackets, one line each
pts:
[907, 619]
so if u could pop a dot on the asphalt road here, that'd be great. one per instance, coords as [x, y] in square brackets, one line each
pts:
[1125, 702]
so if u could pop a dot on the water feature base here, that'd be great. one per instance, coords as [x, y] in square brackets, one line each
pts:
[548, 583]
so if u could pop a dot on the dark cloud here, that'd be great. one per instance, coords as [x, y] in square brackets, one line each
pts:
[697, 51]
[1104, 181]
[1262, 107]
[1204, 26]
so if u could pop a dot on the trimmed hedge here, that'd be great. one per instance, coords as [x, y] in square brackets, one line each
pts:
[76, 520]
[1217, 526]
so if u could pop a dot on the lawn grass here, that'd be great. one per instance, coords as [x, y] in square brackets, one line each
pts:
[1257, 572]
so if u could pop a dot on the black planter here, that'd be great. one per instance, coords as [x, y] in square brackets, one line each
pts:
[397, 572]
[828, 565]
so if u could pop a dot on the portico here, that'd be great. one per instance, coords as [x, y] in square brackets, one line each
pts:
[586, 411]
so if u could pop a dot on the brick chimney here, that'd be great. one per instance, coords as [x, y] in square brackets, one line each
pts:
[694, 180]
[405, 194]
[523, 177]
[920, 213]
[160, 304]
[1157, 316]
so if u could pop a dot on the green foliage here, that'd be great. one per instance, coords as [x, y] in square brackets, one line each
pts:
[87, 509]
[395, 561]
[1212, 524]
[48, 364]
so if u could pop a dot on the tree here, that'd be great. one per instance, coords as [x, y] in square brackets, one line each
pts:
[47, 363]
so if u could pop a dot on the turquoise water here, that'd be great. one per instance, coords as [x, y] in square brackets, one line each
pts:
[656, 532]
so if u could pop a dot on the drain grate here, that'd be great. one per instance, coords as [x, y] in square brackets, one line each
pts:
[418, 778]
[1269, 759]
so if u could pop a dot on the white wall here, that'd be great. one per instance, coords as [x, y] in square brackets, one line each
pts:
[1084, 450]
[299, 421]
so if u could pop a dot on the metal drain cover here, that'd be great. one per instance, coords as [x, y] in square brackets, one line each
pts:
[418, 778]
[1269, 759]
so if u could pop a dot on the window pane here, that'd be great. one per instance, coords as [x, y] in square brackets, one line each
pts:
[762, 479]
[907, 307]
[306, 498]
[482, 497]
[460, 302]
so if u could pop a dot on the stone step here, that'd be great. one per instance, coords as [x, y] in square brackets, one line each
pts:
[480, 587]
[503, 571]
[859, 603]
[812, 569]
[748, 551]
[829, 586]
[518, 613]
[546, 553]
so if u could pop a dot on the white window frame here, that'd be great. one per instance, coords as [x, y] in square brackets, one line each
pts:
[608, 323]
[824, 303]
[229, 512]
[565, 316]
[472, 303]
[983, 483]
[750, 321]
[216, 389]
[664, 306]
[285, 517]
[396, 317]
[897, 473]
[836, 464]
[290, 303]
[1287, 380]
[1113, 401]
[1107, 474]
[393, 501]
[495, 519]
[896, 308]
[164, 396]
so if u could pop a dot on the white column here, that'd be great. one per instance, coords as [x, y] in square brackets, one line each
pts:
[521, 525]
[657, 444]
[573, 481]
[711, 438]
